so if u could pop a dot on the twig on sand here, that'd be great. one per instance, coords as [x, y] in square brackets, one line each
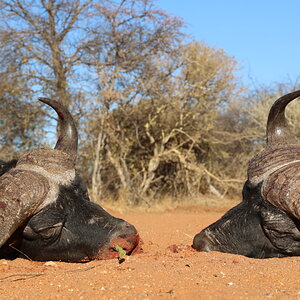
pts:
[188, 235]
[83, 269]
[25, 275]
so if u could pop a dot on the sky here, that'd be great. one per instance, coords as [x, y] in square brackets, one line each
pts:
[262, 35]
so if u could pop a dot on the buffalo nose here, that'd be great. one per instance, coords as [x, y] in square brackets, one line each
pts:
[127, 229]
[127, 238]
[201, 242]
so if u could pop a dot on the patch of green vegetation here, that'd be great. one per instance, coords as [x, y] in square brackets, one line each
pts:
[122, 253]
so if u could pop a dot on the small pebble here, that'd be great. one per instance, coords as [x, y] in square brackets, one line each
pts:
[50, 264]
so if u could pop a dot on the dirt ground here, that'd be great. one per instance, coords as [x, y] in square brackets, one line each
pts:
[167, 269]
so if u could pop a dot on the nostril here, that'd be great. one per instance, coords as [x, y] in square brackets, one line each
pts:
[201, 242]
[122, 236]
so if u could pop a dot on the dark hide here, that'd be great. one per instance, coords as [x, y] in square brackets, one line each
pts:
[71, 229]
[253, 228]
[267, 222]
[45, 211]
[6, 166]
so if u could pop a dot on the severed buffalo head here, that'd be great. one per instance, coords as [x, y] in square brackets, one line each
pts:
[267, 222]
[45, 211]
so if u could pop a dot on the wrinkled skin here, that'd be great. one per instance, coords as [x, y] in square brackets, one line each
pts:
[267, 222]
[254, 228]
[71, 229]
[75, 229]
[45, 211]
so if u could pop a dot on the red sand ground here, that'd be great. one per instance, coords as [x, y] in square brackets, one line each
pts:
[167, 269]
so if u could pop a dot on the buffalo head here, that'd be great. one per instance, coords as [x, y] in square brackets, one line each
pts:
[267, 222]
[45, 211]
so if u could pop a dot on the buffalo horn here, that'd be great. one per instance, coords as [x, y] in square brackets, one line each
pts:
[68, 138]
[278, 165]
[35, 180]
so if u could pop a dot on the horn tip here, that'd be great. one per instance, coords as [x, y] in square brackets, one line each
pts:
[44, 99]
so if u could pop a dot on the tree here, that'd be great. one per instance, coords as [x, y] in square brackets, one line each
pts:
[62, 45]
[161, 140]
[136, 35]
[244, 122]
[42, 34]
[157, 114]
[20, 124]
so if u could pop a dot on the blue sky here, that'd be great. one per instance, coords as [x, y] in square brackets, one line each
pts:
[263, 36]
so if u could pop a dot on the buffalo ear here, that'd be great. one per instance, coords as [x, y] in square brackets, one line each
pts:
[282, 231]
[46, 234]
[46, 226]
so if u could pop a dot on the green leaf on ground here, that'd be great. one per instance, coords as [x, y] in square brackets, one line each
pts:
[122, 252]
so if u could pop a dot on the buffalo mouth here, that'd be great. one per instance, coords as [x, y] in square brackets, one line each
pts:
[202, 242]
[131, 244]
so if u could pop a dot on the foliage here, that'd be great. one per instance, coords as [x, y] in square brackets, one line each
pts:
[157, 144]
[158, 114]
[20, 123]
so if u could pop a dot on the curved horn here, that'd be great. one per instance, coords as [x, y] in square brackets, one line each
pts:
[277, 128]
[278, 165]
[21, 193]
[35, 180]
[68, 136]
[31, 185]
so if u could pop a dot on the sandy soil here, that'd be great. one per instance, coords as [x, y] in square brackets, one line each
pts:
[167, 269]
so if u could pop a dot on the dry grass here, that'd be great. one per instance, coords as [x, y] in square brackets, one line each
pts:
[168, 203]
